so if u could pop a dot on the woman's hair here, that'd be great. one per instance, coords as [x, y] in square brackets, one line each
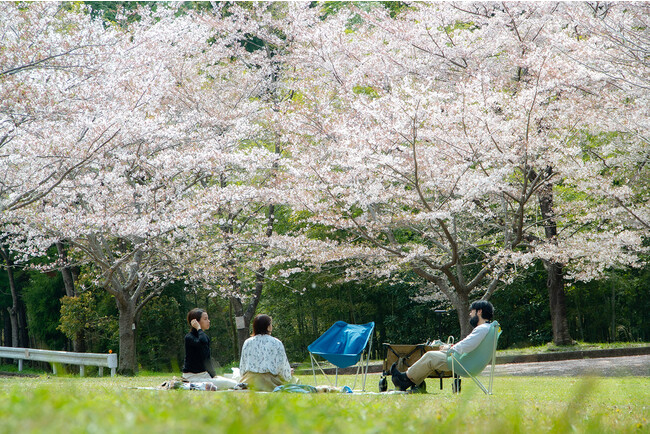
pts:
[196, 314]
[261, 324]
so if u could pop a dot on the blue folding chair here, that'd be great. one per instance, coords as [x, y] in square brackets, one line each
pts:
[342, 345]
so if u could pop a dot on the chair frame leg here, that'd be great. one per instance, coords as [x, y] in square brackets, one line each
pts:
[360, 368]
[313, 359]
[487, 391]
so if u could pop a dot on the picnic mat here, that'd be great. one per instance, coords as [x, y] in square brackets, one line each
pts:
[176, 384]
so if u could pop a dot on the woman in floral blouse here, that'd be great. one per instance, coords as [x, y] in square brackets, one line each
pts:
[264, 364]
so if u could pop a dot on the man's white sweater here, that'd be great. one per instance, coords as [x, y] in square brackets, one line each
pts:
[472, 340]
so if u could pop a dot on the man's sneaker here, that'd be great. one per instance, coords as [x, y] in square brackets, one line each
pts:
[420, 388]
[400, 379]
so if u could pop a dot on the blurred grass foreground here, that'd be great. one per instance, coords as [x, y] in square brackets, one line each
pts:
[519, 404]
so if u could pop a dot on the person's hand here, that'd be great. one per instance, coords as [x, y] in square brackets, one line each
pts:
[195, 324]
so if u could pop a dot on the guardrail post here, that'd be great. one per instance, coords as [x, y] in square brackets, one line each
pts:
[64, 357]
[112, 363]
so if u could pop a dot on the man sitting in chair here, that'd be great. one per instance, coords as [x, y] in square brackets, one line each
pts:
[480, 316]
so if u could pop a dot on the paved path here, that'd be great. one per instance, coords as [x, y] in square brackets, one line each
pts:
[602, 367]
[618, 366]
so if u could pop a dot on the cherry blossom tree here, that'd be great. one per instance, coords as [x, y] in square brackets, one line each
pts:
[51, 56]
[461, 141]
[616, 38]
[184, 95]
[230, 250]
[449, 139]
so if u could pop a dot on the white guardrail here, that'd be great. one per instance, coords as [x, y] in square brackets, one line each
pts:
[81, 359]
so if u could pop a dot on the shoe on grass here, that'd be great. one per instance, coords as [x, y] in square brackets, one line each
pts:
[400, 379]
[420, 388]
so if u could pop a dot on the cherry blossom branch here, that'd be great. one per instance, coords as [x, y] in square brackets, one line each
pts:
[24, 199]
[36, 64]
[632, 213]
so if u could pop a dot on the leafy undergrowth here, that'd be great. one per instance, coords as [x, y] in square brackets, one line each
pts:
[539, 404]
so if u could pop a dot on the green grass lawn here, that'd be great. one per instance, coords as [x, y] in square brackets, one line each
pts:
[519, 404]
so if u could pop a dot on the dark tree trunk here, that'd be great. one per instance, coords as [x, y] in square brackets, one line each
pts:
[300, 322]
[78, 344]
[462, 308]
[6, 341]
[555, 286]
[13, 318]
[127, 364]
[242, 324]
[459, 297]
[129, 282]
[66, 271]
[235, 338]
[16, 319]
[555, 280]
[244, 316]
[23, 331]
[381, 326]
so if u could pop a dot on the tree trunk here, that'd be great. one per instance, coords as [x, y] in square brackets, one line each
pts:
[78, 345]
[243, 317]
[555, 286]
[462, 308]
[381, 324]
[14, 308]
[555, 280]
[127, 364]
[459, 297]
[614, 334]
[300, 322]
[314, 319]
[13, 318]
[242, 324]
[235, 338]
[23, 333]
[6, 339]
[66, 271]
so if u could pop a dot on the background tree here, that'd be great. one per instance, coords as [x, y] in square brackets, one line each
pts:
[617, 41]
[129, 208]
[332, 158]
[448, 139]
[51, 57]
[239, 244]
[50, 54]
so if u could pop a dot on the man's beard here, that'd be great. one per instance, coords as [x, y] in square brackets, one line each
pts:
[473, 321]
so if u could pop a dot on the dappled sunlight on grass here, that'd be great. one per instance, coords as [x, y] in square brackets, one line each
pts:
[519, 404]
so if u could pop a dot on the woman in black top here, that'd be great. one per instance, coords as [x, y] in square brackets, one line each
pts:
[198, 366]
